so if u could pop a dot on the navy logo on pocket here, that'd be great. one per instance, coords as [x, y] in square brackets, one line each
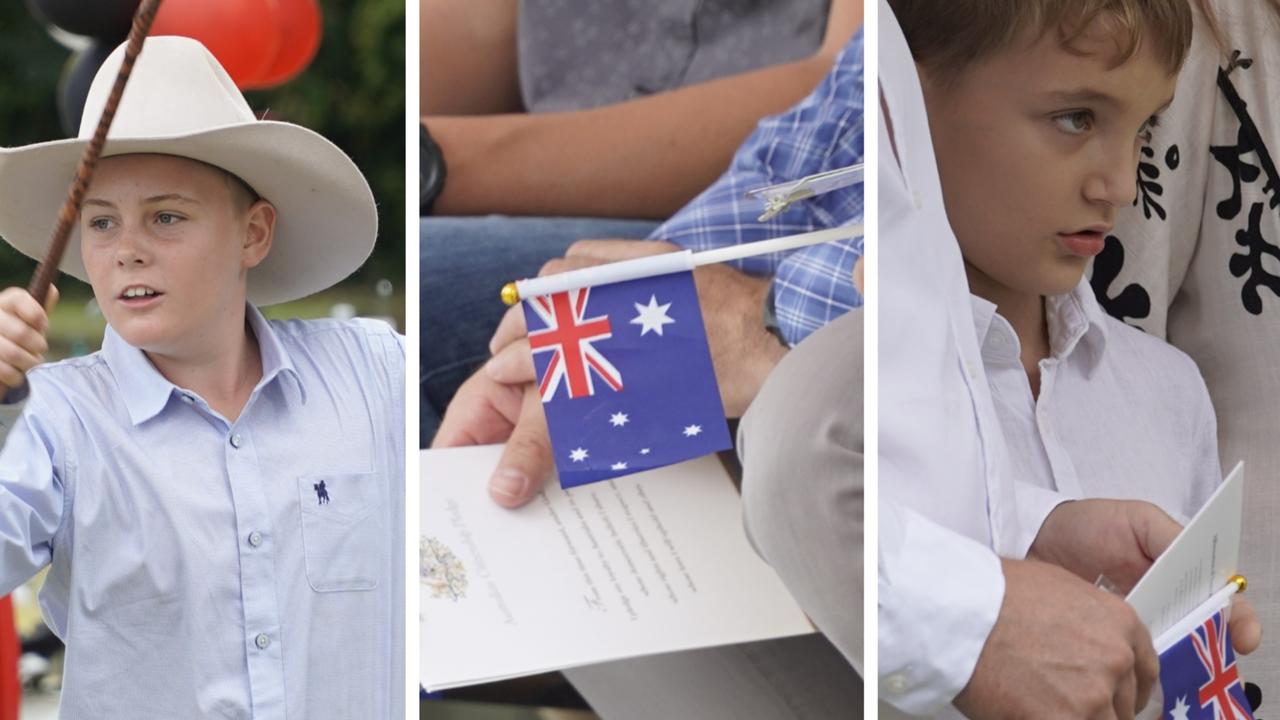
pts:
[322, 493]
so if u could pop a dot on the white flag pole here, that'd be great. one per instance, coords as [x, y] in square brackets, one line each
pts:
[782, 244]
[666, 263]
[1197, 617]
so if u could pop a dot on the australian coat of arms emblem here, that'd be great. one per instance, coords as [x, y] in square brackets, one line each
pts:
[442, 572]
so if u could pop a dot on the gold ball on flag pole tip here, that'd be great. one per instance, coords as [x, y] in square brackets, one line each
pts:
[510, 295]
[1240, 581]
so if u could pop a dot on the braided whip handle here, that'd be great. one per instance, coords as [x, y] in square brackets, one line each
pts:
[47, 270]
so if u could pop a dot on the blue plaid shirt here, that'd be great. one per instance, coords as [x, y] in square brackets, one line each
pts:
[811, 286]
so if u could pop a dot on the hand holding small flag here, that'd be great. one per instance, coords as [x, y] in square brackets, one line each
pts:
[569, 333]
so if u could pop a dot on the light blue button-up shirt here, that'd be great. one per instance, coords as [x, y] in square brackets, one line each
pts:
[202, 568]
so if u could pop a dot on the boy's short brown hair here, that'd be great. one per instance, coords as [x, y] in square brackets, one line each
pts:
[242, 195]
[948, 36]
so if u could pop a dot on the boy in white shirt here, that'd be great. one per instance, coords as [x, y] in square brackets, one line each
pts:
[1037, 112]
[1037, 144]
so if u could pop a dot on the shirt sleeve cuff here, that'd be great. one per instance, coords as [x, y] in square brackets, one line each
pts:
[940, 595]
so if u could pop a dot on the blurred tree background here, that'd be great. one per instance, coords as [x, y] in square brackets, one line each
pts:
[352, 93]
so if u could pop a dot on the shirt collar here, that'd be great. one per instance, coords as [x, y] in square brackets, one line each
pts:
[146, 392]
[996, 337]
[1076, 324]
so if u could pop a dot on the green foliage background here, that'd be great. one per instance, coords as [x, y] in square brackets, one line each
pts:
[352, 93]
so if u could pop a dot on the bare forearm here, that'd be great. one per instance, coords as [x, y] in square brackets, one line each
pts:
[468, 57]
[644, 158]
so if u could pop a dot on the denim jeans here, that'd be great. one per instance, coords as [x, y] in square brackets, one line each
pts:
[464, 263]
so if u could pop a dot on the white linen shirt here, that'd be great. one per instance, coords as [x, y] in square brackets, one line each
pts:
[945, 504]
[1120, 414]
[195, 572]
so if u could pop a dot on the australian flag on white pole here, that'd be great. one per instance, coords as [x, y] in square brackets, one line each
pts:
[625, 376]
[1199, 676]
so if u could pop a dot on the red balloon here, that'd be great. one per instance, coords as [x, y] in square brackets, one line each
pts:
[243, 34]
[301, 27]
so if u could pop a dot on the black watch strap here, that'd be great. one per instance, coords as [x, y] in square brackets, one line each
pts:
[771, 317]
[430, 172]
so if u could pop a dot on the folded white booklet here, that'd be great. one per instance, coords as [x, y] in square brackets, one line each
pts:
[1178, 596]
[1198, 564]
[650, 563]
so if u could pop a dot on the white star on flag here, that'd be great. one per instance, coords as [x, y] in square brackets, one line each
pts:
[1180, 709]
[618, 466]
[652, 316]
[644, 451]
[618, 419]
[578, 455]
[692, 430]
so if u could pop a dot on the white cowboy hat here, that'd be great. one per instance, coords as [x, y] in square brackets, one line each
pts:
[179, 101]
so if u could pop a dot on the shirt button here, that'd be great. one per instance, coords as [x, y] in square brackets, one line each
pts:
[896, 684]
[236, 440]
[188, 399]
[255, 538]
[262, 641]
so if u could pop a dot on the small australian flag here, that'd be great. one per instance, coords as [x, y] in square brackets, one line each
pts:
[625, 376]
[1200, 678]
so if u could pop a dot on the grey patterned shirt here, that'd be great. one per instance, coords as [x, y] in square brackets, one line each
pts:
[576, 54]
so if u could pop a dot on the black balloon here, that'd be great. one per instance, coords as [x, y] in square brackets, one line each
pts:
[104, 19]
[74, 84]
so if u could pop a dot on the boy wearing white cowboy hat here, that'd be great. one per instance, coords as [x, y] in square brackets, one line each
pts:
[219, 497]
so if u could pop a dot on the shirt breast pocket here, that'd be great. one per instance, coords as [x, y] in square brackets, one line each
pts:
[343, 534]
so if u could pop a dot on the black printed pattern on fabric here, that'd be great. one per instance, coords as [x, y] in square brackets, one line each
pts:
[1131, 302]
[1149, 187]
[1253, 694]
[1248, 263]
[1248, 140]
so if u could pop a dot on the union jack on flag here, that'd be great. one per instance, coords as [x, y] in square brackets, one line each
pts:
[1200, 678]
[569, 337]
[625, 376]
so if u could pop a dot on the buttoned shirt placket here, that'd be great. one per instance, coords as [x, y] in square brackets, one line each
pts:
[264, 647]
[1002, 350]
